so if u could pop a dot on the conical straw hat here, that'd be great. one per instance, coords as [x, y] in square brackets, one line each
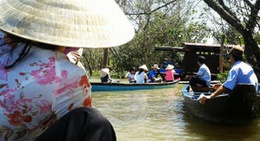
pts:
[144, 67]
[104, 72]
[73, 23]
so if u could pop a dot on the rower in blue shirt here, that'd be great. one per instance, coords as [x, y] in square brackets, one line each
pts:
[203, 77]
[240, 72]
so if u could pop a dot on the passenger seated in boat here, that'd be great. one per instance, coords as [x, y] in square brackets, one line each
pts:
[203, 77]
[240, 72]
[105, 75]
[141, 76]
[153, 74]
[131, 75]
[169, 73]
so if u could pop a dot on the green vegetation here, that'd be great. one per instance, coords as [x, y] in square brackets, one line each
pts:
[172, 22]
[222, 76]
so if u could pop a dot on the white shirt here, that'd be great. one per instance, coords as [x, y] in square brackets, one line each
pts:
[140, 77]
[130, 76]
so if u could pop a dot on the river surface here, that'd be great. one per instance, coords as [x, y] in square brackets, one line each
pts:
[160, 115]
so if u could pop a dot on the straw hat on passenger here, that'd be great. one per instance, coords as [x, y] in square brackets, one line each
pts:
[156, 66]
[144, 67]
[169, 67]
[236, 51]
[104, 72]
[69, 23]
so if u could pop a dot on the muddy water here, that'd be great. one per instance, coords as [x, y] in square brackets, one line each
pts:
[160, 115]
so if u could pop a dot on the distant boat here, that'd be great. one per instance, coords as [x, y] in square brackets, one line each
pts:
[97, 86]
[240, 107]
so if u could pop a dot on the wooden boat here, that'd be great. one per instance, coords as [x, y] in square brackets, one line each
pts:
[239, 107]
[97, 86]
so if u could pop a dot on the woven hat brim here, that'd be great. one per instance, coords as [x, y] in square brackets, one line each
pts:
[69, 23]
[104, 72]
[236, 50]
[143, 67]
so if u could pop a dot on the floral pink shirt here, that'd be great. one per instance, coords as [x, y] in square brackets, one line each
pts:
[37, 91]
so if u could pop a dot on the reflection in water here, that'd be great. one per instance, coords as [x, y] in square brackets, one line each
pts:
[159, 115]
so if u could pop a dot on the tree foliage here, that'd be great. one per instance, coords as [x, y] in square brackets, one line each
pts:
[171, 22]
[157, 23]
[244, 17]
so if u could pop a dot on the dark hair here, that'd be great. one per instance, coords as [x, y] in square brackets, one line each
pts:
[110, 68]
[16, 40]
[24, 52]
[132, 69]
[201, 59]
[237, 57]
[26, 48]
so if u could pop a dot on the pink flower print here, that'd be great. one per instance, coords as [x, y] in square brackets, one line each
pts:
[52, 59]
[66, 85]
[10, 104]
[45, 106]
[64, 73]
[46, 73]
[7, 91]
[47, 77]
[36, 73]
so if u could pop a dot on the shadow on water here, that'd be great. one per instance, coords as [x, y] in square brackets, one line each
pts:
[204, 130]
[160, 115]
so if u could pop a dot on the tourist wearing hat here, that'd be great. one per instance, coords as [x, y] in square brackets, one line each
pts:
[153, 74]
[43, 96]
[203, 76]
[140, 75]
[105, 75]
[240, 72]
[169, 73]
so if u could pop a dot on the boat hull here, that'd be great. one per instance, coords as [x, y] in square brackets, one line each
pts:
[239, 107]
[96, 86]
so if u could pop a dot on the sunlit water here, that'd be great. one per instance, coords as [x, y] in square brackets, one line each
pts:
[160, 115]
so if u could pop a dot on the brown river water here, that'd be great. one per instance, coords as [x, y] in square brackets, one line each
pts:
[160, 115]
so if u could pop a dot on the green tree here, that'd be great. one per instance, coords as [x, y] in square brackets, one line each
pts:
[157, 23]
[160, 23]
[244, 17]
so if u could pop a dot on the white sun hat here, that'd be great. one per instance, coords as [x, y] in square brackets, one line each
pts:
[69, 23]
[144, 67]
[169, 67]
[156, 66]
[104, 72]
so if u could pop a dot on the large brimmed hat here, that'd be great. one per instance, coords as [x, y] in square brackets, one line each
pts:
[169, 67]
[236, 51]
[144, 67]
[156, 66]
[69, 23]
[104, 72]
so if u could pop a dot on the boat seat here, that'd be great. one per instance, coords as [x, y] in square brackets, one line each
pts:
[243, 101]
[203, 89]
